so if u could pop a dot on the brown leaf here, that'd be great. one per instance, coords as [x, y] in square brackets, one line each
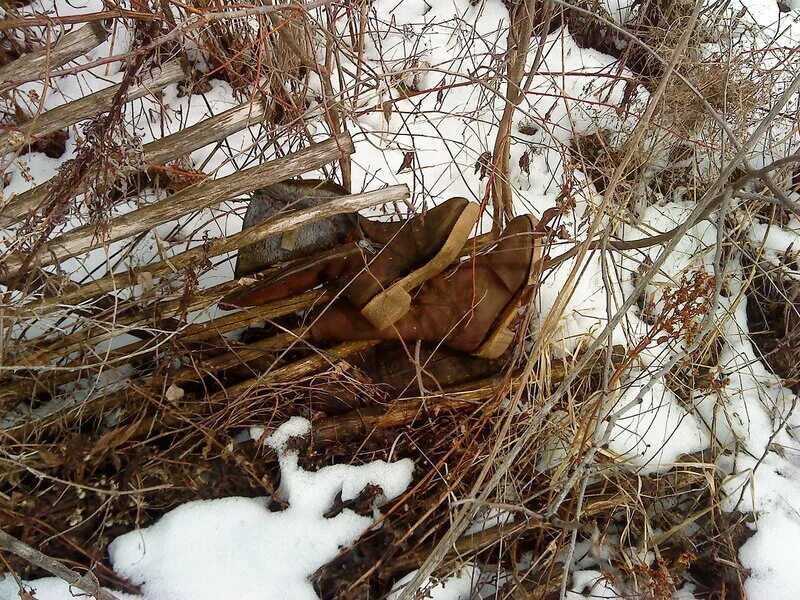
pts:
[50, 459]
[145, 280]
[525, 162]
[113, 438]
[484, 165]
[408, 162]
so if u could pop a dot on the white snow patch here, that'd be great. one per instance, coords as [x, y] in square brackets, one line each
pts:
[48, 588]
[468, 583]
[237, 547]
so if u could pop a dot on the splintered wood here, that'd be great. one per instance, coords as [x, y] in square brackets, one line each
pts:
[192, 198]
[88, 106]
[158, 152]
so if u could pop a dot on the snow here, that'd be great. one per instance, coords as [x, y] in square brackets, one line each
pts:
[780, 245]
[48, 588]
[423, 98]
[467, 583]
[31, 96]
[591, 584]
[239, 547]
[656, 430]
[771, 557]
[448, 130]
[210, 549]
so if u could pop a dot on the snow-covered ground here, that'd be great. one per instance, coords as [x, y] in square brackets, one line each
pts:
[236, 547]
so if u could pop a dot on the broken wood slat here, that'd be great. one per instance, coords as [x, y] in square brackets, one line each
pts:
[87, 107]
[199, 332]
[207, 131]
[24, 390]
[236, 356]
[117, 325]
[215, 247]
[332, 430]
[46, 379]
[59, 411]
[64, 412]
[152, 316]
[326, 431]
[296, 370]
[195, 197]
[158, 152]
[37, 64]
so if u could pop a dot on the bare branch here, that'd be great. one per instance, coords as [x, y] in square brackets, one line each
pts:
[85, 583]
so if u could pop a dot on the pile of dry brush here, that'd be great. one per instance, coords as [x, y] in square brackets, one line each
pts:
[82, 462]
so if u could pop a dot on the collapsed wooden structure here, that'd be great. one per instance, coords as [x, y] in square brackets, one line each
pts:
[37, 374]
[53, 386]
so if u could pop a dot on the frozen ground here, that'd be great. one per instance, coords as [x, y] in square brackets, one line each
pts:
[235, 547]
[239, 547]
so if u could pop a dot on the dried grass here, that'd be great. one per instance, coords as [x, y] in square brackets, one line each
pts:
[71, 482]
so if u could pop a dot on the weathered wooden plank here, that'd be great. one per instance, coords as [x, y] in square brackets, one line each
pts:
[198, 332]
[236, 356]
[153, 315]
[88, 106]
[60, 409]
[117, 324]
[192, 198]
[216, 247]
[37, 64]
[359, 422]
[326, 431]
[401, 412]
[298, 369]
[48, 378]
[158, 152]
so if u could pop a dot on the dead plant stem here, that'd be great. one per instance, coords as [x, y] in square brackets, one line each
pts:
[85, 583]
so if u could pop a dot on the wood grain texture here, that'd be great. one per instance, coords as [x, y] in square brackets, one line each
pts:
[405, 411]
[37, 64]
[89, 106]
[195, 197]
[112, 325]
[216, 247]
[158, 152]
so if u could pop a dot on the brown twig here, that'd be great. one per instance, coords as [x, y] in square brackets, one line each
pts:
[519, 41]
[85, 583]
